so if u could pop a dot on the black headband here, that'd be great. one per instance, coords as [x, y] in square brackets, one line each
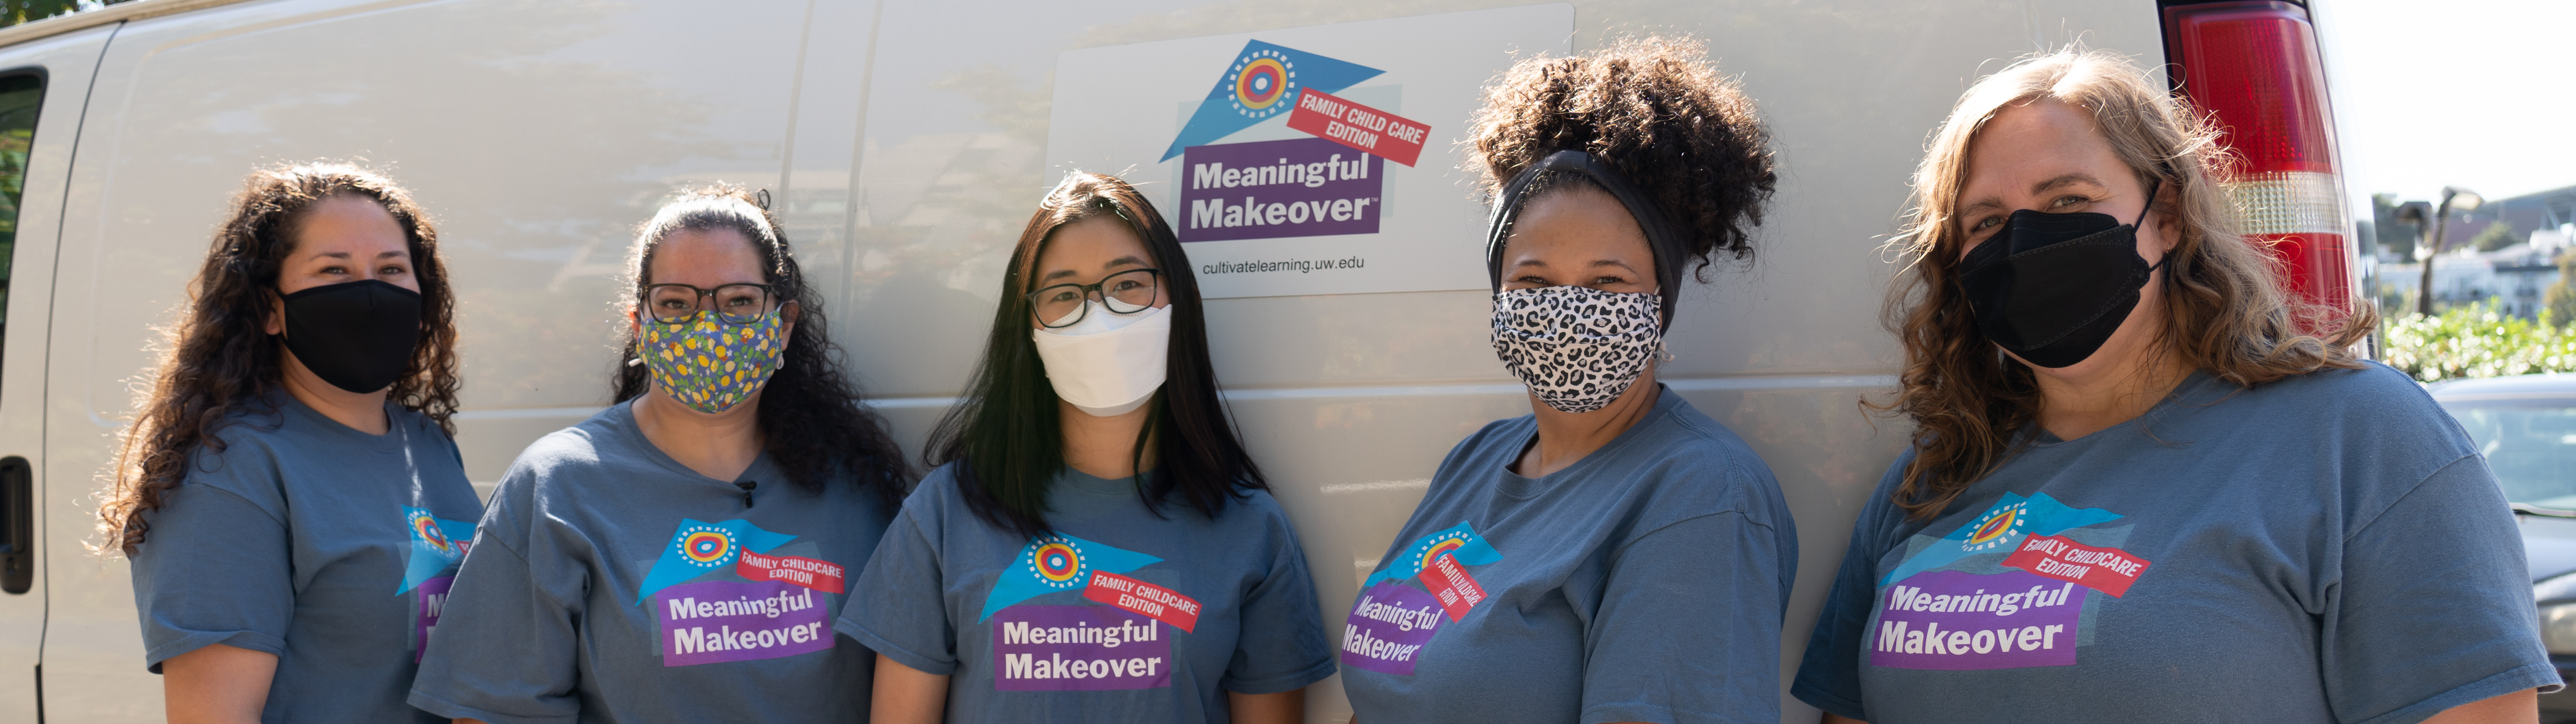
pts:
[1660, 239]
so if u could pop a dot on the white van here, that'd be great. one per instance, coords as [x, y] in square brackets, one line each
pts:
[907, 142]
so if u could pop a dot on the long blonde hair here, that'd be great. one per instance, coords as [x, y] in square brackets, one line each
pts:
[2224, 312]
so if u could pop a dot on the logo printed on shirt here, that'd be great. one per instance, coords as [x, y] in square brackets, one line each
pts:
[433, 599]
[1997, 527]
[1958, 621]
[437, 545]
[1058, 562]
[699, 548]
[711, 622]
[1458, 540]
[1388, 627]
[1078, 648]
[2001, 526]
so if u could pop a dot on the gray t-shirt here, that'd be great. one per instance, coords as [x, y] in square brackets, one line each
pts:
[304, 538]
[1118, 615]
[1645, 582]
[2323, 548]
[612, 584]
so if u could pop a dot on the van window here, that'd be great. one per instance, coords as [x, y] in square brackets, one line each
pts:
[20, 96]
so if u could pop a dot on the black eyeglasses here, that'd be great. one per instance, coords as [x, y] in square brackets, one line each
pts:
[681, 303]
[1126, 292]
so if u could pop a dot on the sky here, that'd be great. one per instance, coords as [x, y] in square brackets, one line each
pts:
[2479, 94]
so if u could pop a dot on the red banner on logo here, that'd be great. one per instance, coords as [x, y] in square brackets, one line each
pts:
[1458, 591]
[1162, 604]
[822, 576]
[2109, 570]
[1387, 135]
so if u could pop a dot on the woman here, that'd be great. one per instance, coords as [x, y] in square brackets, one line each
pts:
[1095, 544]
[679, 557]
[288, 493]
[1614, 556]
[2140, 489]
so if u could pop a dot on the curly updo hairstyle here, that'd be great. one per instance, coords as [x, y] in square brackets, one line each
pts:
[1656, 110]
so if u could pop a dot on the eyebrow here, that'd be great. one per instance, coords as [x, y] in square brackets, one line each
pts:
[1129, 260]
[1595, 264]
[1991, 203]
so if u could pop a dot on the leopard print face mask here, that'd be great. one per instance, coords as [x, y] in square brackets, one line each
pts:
[1577, 348]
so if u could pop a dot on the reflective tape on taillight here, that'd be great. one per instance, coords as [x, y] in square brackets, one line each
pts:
[2254, 67]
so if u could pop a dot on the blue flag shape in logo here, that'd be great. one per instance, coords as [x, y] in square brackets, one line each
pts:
[1261, 83]
[2002, 526]
[698, 548]
[1058, 562]
[437, 545]
[1459, 540]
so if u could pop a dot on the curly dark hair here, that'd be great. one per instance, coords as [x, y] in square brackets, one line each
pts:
[219, 359]
[813, 417]
[1654, 109]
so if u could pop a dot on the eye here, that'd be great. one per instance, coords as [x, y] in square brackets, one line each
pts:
[334, 269]
[392, 269]
[1124, 285]
[1062, 295]
[1986, 223]
[2069, 201]
[1604, 281]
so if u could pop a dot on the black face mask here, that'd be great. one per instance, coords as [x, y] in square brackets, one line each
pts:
[357, 336]
[2053, 287]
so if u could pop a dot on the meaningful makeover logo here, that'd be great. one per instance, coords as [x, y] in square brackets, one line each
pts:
[1931, 615]
[720, 595]
[1264, 81]
[437, 546]
[1393, 620]
[1122, 644]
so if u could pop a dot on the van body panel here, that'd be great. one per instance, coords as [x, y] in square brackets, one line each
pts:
[64, 62]
[904, 147]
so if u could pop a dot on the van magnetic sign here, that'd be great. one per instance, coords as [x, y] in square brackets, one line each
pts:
[1315, 160]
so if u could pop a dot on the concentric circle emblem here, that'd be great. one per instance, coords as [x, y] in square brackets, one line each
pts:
[426, 528]
[706, 546]
[1261, 81]
[1058, 563]
[1997, 527]
[1444, 545]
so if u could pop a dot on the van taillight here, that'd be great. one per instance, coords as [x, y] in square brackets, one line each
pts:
[2254, 66]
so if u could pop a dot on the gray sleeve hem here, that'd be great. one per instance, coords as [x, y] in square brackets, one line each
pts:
[2528, 676]
[1835, 705]
[423, 701]
[1638, 711]
[890, 650]
[252, 640]
[1271, 685]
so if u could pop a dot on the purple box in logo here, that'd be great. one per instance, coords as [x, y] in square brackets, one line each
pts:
[1388, 627]
[718, 621]
[432, 594]
[1952, 620]
[1273, 189]
[1079, 648]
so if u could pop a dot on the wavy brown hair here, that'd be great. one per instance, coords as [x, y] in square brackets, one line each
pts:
[814, 420]
[1653, 108]
[2224, 311]
[219, 362]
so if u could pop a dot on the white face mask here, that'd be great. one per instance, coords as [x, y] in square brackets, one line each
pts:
[1109, 363]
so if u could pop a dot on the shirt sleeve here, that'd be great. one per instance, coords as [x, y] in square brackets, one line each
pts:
[1829, 673]
[1280, 645]
[899, 605]
[214, 568]
[1689, 627]
[2433, 607]
[499, 602]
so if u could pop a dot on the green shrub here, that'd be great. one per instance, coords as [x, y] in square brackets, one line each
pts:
[2475, 341]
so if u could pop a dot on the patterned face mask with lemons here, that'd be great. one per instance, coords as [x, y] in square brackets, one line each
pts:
[711, 365]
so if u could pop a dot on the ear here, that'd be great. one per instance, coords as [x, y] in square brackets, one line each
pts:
[2160, 218]
[274, 322]
[787, 313]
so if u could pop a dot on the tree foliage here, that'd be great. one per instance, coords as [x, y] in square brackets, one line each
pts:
[2497, 235]
[2476, 341]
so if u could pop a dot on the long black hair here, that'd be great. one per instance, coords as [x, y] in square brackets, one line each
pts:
[1006, 438]
[812, 416]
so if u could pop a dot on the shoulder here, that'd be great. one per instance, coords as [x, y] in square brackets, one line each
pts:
[939, 494]
[1690, 465]
[2373, 411]
[240, 453]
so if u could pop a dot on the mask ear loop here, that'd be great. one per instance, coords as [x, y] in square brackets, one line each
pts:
[2153, 187]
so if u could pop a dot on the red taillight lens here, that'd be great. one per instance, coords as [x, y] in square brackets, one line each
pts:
[2255, 67]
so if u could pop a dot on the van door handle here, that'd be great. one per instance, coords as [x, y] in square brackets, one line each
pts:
[17, 525]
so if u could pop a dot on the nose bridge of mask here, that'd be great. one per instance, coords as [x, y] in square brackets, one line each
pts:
[1096, 319]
